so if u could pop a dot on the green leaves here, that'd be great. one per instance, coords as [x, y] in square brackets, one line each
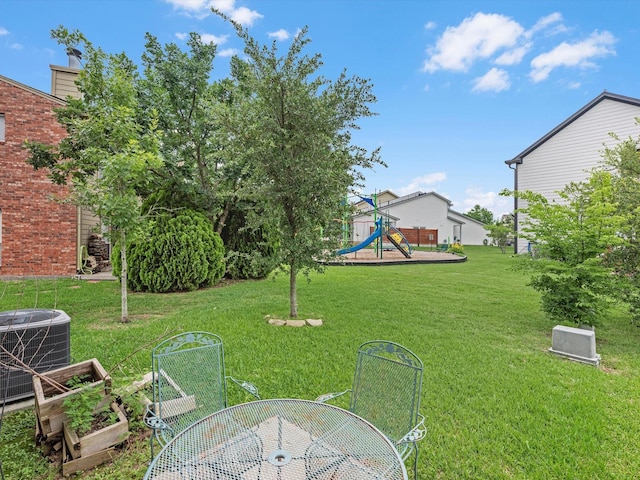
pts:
[586, 248]
[294, 129]
[176, 253]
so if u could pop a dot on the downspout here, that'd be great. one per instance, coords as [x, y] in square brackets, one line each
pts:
[515, 164]
[79, 239]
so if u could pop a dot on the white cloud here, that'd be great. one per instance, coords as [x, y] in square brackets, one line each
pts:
[514, 56]
[228, 52]
[545, 22]
[574, 85]
[578, 54]
[215, 39]
[225, 6]
[430, 25]
[3, 31]
[16, 46]
[495, 80]
[202, 8]
[181, 35]
[279, 35]
[477, 37]
[426, 182]
[245, 17]
[191, 5]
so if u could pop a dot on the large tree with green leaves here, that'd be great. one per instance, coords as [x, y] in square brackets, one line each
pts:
[481, 214]
[204, 168]
[296, 129]
[110, 147]
[176, 85]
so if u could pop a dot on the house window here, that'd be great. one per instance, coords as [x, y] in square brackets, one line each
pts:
[1, 127]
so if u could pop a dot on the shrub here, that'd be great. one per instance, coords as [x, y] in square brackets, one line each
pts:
[251, 251]
[575, 293]
[174, 253]
[456, 248]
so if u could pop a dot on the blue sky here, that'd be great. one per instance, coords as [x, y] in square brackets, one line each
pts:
[462, 86]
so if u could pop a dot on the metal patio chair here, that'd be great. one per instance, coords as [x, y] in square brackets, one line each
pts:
[189, 383]
[386, 391]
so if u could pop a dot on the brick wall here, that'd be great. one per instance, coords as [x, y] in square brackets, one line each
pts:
[38, 233]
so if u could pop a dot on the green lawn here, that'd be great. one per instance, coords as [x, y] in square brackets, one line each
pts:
[497, 404]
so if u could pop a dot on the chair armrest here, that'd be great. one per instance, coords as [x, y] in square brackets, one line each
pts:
[328, 396]
[248, 386]
[155, 423]
[416, 434]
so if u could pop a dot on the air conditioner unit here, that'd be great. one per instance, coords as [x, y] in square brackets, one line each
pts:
[37, 338]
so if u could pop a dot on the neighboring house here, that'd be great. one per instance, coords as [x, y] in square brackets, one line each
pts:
[378, 197]
[39, 236]
[569, 151]
[423, 218]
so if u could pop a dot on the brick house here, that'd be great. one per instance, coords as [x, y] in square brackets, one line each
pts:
[39, 236]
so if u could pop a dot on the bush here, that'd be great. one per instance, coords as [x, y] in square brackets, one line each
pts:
[251, 252]
[572, 293]
[174, 253]
[456, 248]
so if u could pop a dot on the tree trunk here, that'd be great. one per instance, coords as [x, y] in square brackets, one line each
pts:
[293, 295]
[123, 277]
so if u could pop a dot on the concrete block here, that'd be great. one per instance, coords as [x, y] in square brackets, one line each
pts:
[295, 323]
[575, 344]
[312, 322]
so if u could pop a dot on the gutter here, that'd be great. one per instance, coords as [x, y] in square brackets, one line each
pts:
[513, 165]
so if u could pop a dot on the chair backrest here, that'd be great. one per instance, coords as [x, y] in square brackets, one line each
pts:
[190, 378]
[386, 387]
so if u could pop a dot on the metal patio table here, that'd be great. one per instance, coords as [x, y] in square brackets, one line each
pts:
[283, 439]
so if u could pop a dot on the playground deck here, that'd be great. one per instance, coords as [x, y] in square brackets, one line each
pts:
[367, 256]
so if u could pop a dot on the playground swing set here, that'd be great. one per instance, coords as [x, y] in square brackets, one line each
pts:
[380, 231]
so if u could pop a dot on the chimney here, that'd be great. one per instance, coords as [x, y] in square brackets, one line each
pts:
[75, 56]
[63, 79]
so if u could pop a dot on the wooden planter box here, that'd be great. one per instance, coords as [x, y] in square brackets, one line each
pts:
[48, 400]
[95, 447]
[100, 439]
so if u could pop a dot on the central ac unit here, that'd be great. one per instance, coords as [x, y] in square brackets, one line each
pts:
[35, 339]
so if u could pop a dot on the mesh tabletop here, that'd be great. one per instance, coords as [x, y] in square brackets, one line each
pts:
[280, 440]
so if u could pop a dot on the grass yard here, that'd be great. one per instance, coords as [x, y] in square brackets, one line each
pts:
[497, 404]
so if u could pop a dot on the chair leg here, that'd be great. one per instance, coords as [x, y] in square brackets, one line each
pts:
[151, 443]
[415, 463]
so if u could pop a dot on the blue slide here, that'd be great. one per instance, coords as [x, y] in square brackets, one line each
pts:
[377, 233]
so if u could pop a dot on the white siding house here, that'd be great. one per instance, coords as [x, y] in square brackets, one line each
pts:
[569, 151]
[427, 211]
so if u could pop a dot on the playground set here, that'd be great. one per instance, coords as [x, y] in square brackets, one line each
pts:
[361, 254]
[392, 234]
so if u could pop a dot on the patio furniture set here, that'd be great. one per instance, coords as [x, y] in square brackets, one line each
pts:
[204, 438]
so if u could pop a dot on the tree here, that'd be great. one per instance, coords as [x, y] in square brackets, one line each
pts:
[296, 130]
[110, 145]
[176, 85]
[624, 259]
[481, 214]
[501, 233]
[569, 238]
[203, 169]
